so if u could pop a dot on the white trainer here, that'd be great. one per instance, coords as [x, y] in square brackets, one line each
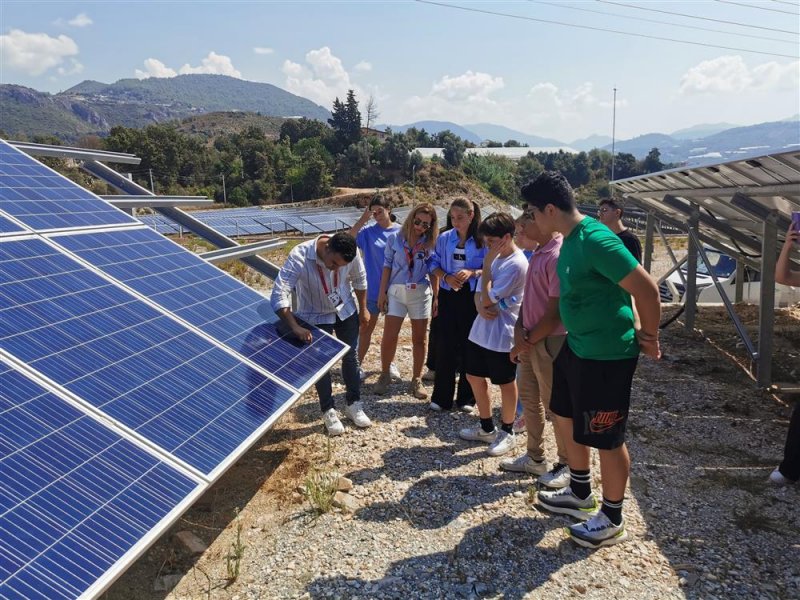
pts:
[503, 443]
[355, 412]
[556, 478]
[394, 371]
[362, 374]
[477, 434]
[332, 422]
[524, 464]
[778, 478]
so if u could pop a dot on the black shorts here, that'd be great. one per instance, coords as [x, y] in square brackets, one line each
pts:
[482, 362]
[595, 394]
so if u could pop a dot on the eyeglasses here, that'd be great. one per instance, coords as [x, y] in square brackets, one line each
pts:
[423, 224]
[606, 209]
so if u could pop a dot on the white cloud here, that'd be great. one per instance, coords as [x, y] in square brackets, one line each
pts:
[263, 50]
[363, 66]
[469, 87]
[74, 68]
[34, 53]
[81, 20]
[321, 79]
[155, 68]
[213, 64]
[731, 75]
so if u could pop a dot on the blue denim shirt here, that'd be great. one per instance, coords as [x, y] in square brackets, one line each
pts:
[443, 256]
[395, 257]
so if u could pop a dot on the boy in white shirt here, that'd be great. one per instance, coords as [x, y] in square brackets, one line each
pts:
[498, 299]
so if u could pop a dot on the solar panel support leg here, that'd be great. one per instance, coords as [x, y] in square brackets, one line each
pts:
[691, 270]
[739, 290]
[649, 229]
[766, 309]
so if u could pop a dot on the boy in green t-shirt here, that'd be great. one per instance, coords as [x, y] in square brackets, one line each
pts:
[592, 374]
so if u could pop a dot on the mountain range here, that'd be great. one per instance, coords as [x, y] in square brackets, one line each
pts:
[92, 107]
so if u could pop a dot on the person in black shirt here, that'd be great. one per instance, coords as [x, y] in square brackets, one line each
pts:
[610, 215]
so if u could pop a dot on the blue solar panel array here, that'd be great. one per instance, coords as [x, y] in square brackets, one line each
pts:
[75, 496]
[204, 296]
[136, 364]
[44, 200]
[115, 413]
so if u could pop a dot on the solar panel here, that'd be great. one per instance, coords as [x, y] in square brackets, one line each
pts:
[8, 226]
[75, 496]
[140, 367]
[44, 200]
[206, 297]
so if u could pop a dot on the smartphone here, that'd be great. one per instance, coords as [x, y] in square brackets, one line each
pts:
[796, 221]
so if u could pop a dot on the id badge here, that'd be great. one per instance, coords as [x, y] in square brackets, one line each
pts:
[340, 310]
[335, 299]
[411, 286]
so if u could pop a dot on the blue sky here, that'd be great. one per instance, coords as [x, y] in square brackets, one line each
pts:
[427, 61]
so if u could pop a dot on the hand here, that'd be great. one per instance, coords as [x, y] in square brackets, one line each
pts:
[363, 318]
[491, 254]
[463, 275]
[489, 313]
[516, 354]
[383, 302]
[367, 214]
[792, 236]
[521, 340]
[454, 281]
[648, 344]
[435, 308]
[302, 334]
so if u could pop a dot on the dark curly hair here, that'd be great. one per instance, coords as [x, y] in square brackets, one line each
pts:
[344, 245]
[550, 187]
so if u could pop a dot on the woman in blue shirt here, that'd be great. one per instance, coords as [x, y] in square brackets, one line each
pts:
[406, 290]
[457, 262]
[371, 240]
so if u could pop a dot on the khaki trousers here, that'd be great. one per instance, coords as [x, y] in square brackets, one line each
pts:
[535, 381]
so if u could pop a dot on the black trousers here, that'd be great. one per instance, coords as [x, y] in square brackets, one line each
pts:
[456, 313]
[790, 467]
[433, 336]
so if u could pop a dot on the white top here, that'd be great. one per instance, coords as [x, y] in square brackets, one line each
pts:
[301, 272]
[508, 279]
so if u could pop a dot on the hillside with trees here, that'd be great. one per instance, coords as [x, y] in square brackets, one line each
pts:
[241, 159]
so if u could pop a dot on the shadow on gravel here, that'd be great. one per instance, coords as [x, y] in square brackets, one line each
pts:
[437, 501]
[402, 464]
[496, 558]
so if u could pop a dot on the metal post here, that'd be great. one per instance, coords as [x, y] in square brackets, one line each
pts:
[649, 229]
[766, 309]
[613, 132]
[739, 283]
[691, 270]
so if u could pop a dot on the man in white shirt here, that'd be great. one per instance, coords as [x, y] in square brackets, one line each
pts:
[328, 275]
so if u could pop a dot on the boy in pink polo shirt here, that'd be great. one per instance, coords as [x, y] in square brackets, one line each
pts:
[538, 337]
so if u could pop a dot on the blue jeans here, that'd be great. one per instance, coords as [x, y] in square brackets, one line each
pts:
[347, 332]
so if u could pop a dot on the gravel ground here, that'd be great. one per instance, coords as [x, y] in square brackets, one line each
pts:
[436, 518]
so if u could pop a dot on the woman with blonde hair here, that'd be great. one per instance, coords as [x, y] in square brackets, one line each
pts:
[407, 289]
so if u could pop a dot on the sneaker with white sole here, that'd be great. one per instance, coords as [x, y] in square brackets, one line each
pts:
[597, 532]
[519, 424]
[435, 407]
[355, 412]
[557, 477]
[332, 422]
[467, 408]
[524, 464]
[778, 478]
[429, 375]
[362, 374]
[382, 386]
[565, 502]
[477, 434]
[503, 444]
[394, 371]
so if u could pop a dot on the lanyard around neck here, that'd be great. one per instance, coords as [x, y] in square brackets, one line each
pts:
[324, 282]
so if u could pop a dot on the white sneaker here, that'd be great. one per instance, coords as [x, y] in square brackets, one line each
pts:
[332, 422]
[355, 412]
[557, 477]
[597, 532]
[467, 408]
[778, 478]
[524, 464]
[362, 374]
[435, 407]
[394, 371]
[519, 424]
[477, 434]
[429, 375]
[502, 444]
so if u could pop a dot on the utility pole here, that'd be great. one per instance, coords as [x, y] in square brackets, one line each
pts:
[414, 180]
[152, 188]
[224, 191]
[613, 132]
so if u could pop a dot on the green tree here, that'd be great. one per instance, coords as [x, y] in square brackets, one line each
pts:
[452, 148]
[346, 121]
[652, 162]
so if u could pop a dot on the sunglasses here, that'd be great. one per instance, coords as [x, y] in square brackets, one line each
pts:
[423, 224]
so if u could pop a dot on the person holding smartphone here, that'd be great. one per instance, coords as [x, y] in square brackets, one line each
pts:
[789, 469]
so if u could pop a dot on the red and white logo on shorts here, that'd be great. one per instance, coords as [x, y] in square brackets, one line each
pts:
[601, 421]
